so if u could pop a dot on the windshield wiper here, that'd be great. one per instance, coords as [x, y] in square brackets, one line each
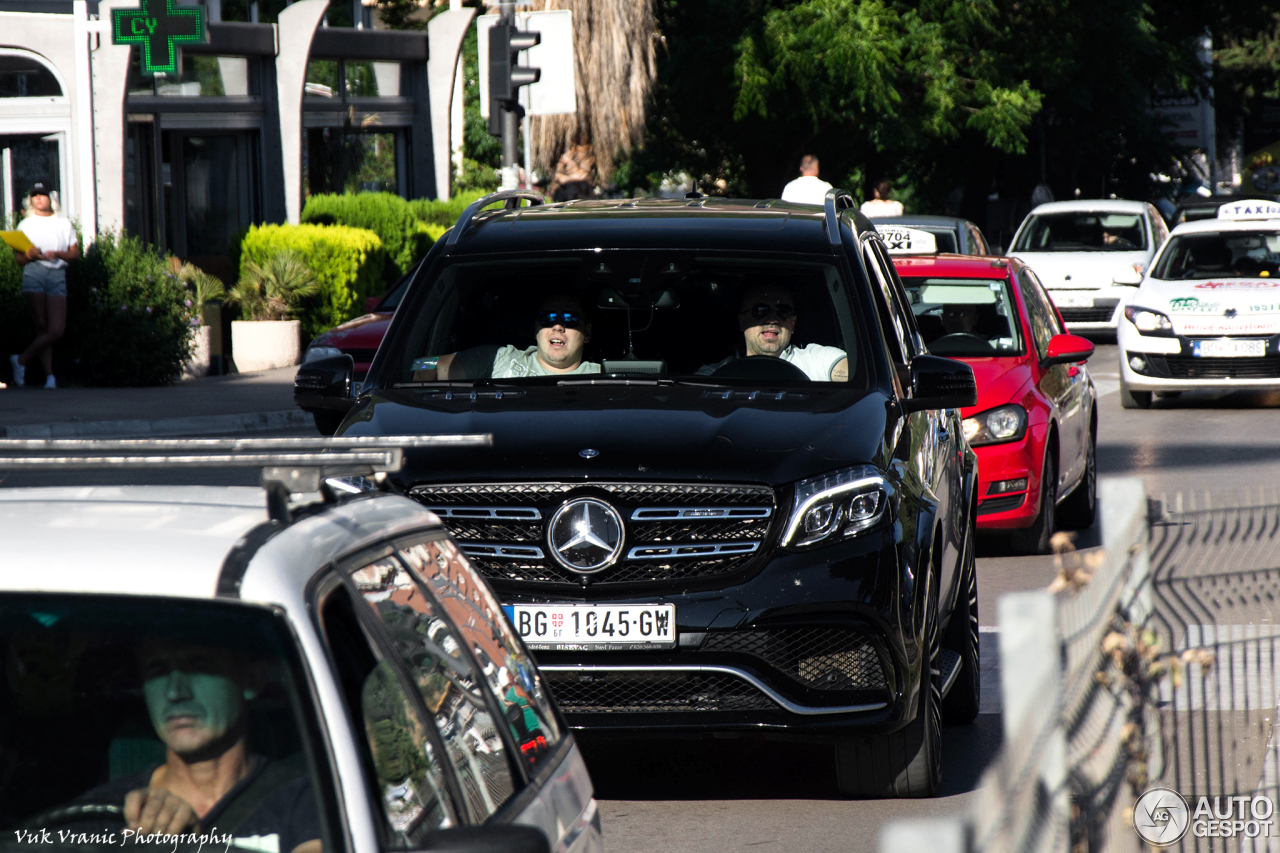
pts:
[615, 381]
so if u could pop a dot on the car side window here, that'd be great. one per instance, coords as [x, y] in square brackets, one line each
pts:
[900, 302]
[508, 673]
[1159, 230]
[432, 653]
[977, 241]
[895, 326]
[402, 748]
[1043, 319]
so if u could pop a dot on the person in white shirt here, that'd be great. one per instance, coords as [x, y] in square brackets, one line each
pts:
[44, 279]
[808, 188]
[767, 317]
[882, 205]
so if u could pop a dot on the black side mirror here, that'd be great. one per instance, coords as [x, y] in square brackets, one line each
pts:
[940, 383]
[327, 384]
[488, 839]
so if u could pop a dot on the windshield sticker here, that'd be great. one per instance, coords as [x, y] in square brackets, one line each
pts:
[1237, 285]
[1192, 305]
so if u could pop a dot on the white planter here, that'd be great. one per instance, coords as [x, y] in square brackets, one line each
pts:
[264, 344]
[198, 365]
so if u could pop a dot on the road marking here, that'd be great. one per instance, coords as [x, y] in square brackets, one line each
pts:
[1106, 386]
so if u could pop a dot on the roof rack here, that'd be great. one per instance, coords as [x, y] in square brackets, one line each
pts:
[835, 201]
[289, 465]
[510, 198]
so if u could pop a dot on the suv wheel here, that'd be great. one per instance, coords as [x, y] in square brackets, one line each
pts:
[908, 762]
[1078, 510]
[1035, 539]
[961, 704]
[1133, 399]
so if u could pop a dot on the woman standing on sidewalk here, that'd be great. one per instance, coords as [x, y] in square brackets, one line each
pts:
[44, 279]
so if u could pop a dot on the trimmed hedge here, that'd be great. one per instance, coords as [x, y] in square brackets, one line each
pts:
[403, 236]
[347, 262]
[16, 326]
[129, 316]
[445, 213]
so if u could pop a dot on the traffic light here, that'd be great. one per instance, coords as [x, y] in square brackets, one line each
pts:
[505, 77]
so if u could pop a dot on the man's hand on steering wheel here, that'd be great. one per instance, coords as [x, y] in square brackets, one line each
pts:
[151, 810]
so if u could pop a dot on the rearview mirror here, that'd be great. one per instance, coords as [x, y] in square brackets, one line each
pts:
[326, 383]
[488, 839]
[940, 383]
[1065, 349]
[1127, 276]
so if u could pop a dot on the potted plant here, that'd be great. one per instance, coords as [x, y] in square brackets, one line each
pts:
[268, 296]
[203, 289]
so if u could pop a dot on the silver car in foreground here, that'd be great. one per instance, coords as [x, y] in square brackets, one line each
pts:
[333, 656]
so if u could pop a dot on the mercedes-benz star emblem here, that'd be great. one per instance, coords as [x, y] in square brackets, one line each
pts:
[585, 535]
[1161, 817]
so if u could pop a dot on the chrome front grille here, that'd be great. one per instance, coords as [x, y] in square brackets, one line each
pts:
[673, 531]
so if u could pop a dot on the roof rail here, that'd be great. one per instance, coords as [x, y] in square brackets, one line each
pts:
[289, 465]
[835, 201]
[511, 199]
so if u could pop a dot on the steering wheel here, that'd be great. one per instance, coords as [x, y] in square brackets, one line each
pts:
[763, 367]
[963, 343]
[77, 813]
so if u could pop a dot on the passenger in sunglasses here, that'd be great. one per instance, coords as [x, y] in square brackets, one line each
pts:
[767, 317]
[561, 332]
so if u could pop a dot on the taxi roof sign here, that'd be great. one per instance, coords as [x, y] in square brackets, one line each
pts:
[1250, 210]
[907, 241]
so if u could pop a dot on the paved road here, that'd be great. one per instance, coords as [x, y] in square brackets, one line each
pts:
[730, 795]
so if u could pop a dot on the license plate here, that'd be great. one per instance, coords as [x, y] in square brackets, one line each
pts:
[1228, 349]
[597, 627]
[1072, 298]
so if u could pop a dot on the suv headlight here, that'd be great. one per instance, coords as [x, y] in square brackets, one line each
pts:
[835, 506]
[1003, 423]
[1148, 322]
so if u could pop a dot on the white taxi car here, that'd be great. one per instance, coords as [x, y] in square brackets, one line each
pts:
[277, 675]
[1090, 254]
[1207, 315]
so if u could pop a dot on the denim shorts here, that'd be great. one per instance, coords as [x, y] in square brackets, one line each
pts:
[37, 278]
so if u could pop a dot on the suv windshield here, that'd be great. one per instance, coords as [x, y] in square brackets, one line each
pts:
[1220, 254]
[634, 315]
[1084, 231]
[104, 698]
[965, 317]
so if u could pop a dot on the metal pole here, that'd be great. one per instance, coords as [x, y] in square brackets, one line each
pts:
[510, 122]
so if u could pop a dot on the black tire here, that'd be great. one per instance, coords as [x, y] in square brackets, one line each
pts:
[961, 704]
[908, 762]
[1133, 399]
[327, 422]
[1035, 539]
[1081, 506]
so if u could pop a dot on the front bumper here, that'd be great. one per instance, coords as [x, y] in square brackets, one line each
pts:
[814, 645]
[1014, 460]
[1168, 363]
[1100, 309]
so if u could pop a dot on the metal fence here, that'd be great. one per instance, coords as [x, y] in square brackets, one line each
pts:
[1150, 664]
[1074, 725]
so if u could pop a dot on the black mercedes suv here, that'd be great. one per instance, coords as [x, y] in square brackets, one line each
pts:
[728, 489]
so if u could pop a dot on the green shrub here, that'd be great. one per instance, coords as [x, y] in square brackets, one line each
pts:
[436, 212]
[16, 326]
[128, 317]
[274, 290]
[347, 264]
[389, 216]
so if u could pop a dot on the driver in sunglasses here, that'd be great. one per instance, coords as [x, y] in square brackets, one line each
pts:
[561, 332]
[767, 317]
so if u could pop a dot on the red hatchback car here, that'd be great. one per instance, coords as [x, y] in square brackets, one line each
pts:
[1035, 425]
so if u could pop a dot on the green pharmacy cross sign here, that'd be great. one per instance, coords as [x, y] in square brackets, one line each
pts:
[159, 26]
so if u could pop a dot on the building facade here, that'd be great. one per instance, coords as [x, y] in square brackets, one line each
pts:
[253, 119]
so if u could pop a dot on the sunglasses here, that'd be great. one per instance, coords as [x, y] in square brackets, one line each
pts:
[763, 311]
[568, 319]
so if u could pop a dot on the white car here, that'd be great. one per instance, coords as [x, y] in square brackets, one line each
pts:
[1090, 255]
[1208, 313]
[310, 665]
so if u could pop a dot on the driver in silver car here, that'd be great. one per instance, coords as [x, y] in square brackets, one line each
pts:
[197, 697]
[767, 317]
